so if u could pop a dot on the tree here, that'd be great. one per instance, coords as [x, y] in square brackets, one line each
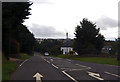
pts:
[13, 15]
[51, 46]
[87, 40]
[25, 38]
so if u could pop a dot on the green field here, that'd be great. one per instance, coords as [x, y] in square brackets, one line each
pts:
[101, 60]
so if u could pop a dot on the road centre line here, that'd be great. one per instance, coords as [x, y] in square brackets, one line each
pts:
[54, 66]
[23, 62]
[69, 76]
[112, 74]
[47, 61]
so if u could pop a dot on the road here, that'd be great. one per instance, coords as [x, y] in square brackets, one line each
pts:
[59, 69]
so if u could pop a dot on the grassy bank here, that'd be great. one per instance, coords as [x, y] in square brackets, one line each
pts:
[10, 66]
[101, 60]
[25, 56]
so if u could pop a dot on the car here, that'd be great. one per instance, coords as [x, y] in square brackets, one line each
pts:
[46, 53]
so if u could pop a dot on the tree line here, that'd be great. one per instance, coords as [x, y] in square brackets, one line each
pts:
[16, 37]
[88, 40]
[52, 46]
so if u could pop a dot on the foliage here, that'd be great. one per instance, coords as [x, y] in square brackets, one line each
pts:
[51, 46]
[88, 39]
[71, 52]
[26, 39]
[16, 36]
[25, 56]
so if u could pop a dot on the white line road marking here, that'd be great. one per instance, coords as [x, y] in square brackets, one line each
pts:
[70, 69]
[69, 76]
[42, 58]
[54, 66]
[83, 66]
[95, 75]
[76, 64]
[51, 59]
[80, 69]
[68, 59]
[47, 61]
[38, 77]
[112, 74]
[23, 62]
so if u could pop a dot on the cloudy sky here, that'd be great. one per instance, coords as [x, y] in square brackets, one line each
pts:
[53, 18]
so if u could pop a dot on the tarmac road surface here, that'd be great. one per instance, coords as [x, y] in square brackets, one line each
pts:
[59, 69]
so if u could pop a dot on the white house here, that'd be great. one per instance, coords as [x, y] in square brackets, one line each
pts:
[67, 45]
[66, 49]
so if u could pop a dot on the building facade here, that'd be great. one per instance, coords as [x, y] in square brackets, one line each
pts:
[67, 45]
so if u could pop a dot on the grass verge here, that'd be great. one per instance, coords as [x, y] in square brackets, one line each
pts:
[8, 67]
[101, 60]
[25, 56]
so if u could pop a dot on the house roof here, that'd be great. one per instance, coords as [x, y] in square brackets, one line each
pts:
[67, 43]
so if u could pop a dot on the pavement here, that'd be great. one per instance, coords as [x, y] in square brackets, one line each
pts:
[59, 69]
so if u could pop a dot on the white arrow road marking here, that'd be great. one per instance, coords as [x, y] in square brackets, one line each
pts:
[95, 75]
[69, 76]
[112, 74]
[38, 77]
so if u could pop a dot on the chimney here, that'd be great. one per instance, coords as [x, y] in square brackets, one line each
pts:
[67, 35]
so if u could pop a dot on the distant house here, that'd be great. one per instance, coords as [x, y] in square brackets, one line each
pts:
[39, 40]
[107, 48]
[67, 45]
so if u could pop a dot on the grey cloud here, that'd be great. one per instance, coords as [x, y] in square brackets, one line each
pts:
[45, 31]
[106, 22]
[110, 38]
[41, 1]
